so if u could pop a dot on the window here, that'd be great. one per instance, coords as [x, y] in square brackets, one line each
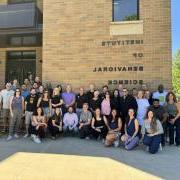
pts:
[21, 55]
[20, 1]
[25, 40]
[125, 10]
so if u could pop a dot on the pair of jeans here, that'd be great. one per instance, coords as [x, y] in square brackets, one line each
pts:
[152, 142]
[129, 145]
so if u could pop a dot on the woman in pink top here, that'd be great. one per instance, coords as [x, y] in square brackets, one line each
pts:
[106, 104]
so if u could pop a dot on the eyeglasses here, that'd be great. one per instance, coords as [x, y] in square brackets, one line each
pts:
[17, 91]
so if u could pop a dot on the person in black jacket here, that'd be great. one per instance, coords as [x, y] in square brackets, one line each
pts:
[115, 101]
[127, 102]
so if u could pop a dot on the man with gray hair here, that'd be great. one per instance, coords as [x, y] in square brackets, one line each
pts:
[5, 95]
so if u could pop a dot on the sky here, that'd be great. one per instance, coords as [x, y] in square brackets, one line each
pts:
[175, 25]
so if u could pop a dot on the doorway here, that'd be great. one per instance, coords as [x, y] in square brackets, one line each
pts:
[19, 64]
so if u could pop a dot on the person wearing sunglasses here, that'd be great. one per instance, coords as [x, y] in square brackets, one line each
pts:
[16, 111]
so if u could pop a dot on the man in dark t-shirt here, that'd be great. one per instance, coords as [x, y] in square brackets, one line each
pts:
[161, 114]
[81, 98]
[30, 108]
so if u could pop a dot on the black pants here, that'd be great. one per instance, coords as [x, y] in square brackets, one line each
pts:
[38, 132]
[172, 128]
[163, 136]
[84, 131]
[54, 130]
[95, 134]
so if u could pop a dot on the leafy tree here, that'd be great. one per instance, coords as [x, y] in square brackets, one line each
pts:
[176, 72]
[131, 18]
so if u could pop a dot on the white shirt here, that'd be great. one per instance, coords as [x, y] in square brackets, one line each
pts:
[160, 96]
[143, 105]
[5, 98]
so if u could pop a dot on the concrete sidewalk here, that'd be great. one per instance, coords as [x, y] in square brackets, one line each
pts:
[165, 164]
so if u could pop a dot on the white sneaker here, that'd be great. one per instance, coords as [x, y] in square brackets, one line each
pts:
[87, 138]
[26, 135]
[147, 148]
[33, 135]
[160, 147]
[36, 140]
[116, 143]
[16, 136]
[9, 138]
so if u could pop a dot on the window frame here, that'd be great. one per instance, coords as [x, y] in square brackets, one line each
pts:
[138, 8]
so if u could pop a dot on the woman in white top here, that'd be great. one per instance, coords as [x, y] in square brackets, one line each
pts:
[143, 105]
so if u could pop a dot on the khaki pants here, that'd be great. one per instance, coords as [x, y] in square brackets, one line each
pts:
[6, 118]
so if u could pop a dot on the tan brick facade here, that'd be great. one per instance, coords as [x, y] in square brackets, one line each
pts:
[76, 39]
[82, 45]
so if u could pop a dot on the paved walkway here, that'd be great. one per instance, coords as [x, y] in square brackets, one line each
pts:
[165, 164]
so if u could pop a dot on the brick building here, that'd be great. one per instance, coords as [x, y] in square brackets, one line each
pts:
[80, 42]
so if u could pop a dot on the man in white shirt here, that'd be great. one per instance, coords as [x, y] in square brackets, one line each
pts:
[160, 94]
[5, 95]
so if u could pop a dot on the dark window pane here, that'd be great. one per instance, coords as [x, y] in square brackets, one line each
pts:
[28, 55]
[21, 55]
[125, 10]
[29, 40]
[20, 1]
[15, 41]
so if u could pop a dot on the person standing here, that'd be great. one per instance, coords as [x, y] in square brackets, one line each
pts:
[115, 101]
[68, 97]
[81, 98]
[16, 110]
[95, 102]
[173, 109]
[24, 91]
[30, 108]
[5, 96]
[56, 100]
[106, 105]
[45, 103]
[90, 92]
[160, 94]
[143, 105]
[127, 102]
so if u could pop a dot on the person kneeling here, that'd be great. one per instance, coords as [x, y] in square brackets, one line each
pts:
[38, 126]
[99, 126]
[114, 127]
[151, 132]
[70, 121]
[85, 122]
[55, 124]
[131, 138]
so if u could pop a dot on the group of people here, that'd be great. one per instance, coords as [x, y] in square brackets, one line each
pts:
[132, 117]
